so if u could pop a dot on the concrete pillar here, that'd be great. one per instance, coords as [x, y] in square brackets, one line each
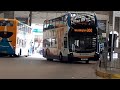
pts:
[110, 24]
[9, 14]
[119, 33]
[110, 17]
[30, 18]
[117, 24]
[103, 12]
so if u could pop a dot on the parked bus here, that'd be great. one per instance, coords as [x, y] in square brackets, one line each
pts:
[71, 37]
[14, 37]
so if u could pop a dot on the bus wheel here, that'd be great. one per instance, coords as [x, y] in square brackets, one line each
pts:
[26, 55]
[11, 55]
[48, 59]
[20, 52]
[87, 61]
[70, 58]
[61, 57]
[16, 55]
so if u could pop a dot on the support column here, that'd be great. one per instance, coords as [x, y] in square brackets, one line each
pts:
[30, 18]
[110, 24]
[9, 14]
[111, 17]
[119, 33]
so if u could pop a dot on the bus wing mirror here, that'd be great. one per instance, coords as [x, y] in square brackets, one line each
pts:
[73, 47]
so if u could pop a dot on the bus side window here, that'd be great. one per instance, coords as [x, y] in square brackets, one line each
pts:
[62, 21]
[22, 43]
[48, 41]
[65, 20]
[53, 42]
[51, 26]
[65, 42]
[17, 40]
[9, 23]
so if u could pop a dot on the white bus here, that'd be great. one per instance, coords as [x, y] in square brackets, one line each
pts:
[14, 37]
[71, 37]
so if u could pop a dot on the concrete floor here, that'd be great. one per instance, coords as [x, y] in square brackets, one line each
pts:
[39, 68]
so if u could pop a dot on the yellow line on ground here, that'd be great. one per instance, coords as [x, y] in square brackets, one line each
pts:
[102, 74]
[107, 75]
[116, 76]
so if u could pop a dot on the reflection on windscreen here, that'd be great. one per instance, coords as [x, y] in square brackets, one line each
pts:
[6, 23]
[82, 20]
[77, 17]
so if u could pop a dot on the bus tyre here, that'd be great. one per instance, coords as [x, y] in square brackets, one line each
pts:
[60, 57]
[48, 59]
[11, 55]
[97, 57]
[20, 52]
[87, 61]
[16, 55]
[70, 58]
[26, 55]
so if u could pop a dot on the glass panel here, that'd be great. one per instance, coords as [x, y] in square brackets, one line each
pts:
[53, 42]
[80, 20]
[65, 42]
[84, 43]
[6, 23]
[47, 42]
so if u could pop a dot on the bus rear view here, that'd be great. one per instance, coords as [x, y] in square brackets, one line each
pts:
[6, 34]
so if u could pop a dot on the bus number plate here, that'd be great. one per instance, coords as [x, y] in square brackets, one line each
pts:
[84, 59]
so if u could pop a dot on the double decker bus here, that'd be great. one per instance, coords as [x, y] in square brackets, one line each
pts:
[71, 37]
[14, 37]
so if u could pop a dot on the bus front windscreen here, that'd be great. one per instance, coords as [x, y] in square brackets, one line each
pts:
[83, 43]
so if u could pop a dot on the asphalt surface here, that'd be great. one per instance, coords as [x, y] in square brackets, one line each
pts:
[37, 67]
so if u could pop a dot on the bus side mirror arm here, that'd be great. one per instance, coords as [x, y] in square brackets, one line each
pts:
[73, 47]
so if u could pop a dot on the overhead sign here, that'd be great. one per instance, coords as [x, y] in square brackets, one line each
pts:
[104, 34]
[37, 30]
[102, 25]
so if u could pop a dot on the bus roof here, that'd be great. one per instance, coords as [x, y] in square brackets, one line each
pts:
[85, 12]
[14, 20]
[7, 19]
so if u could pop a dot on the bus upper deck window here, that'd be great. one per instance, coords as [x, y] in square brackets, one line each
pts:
[6, 23]
[9, 23]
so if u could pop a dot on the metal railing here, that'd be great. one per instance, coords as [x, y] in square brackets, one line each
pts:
[109, 62]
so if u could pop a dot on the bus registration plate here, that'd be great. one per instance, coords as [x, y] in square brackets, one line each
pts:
[84, 59]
